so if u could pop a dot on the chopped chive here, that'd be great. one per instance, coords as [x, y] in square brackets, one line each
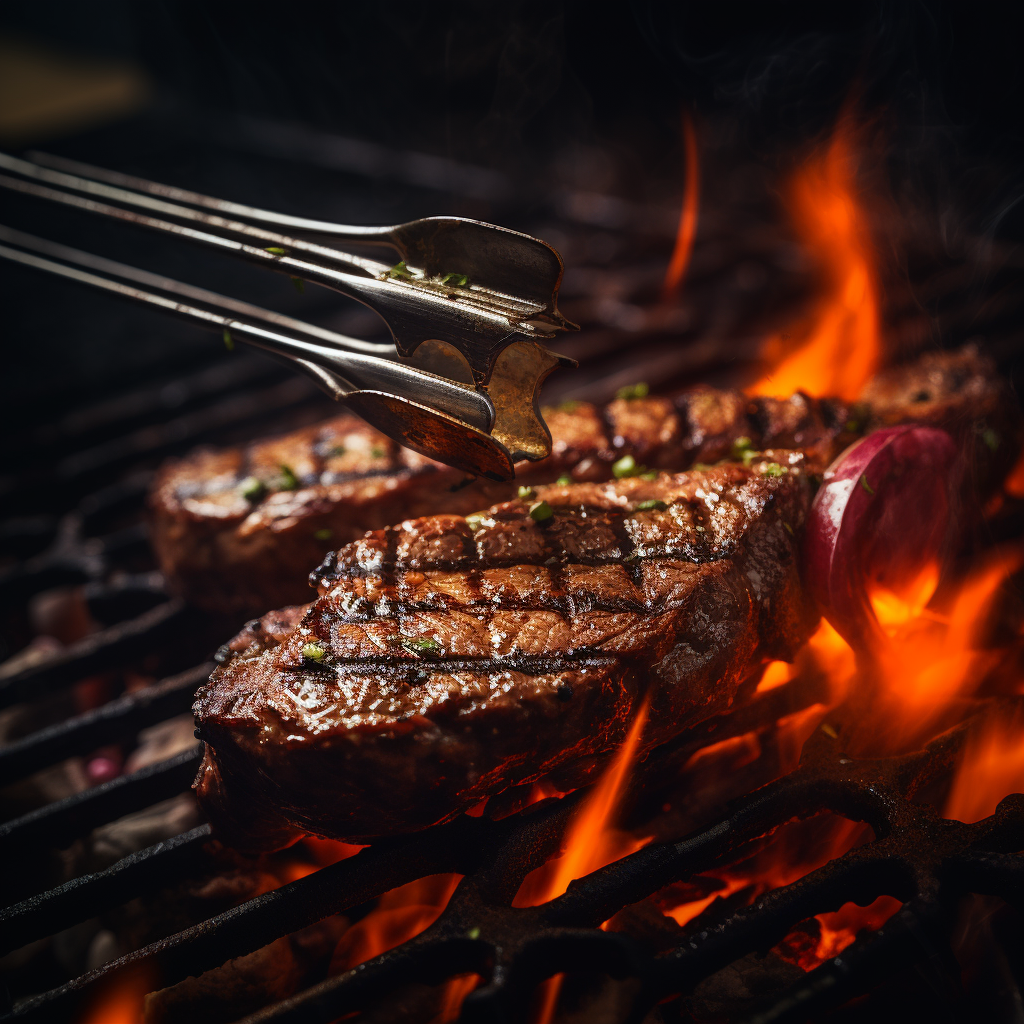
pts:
[377, 452]
[476, 520]
[773, 469]
[276, 250]
[699, 467]
[626, 466]
[300, 285]
[400, 270]
[525, 493]
[252, 488]
[425, 645]
[541, 511]
[788, 528]
[288, 480]
[649, 474]
[864, 483]
[569, 405]
[991, 439]
[632, 391]
[313, 652]
[473, 933]
[460, 280]
[564, 480]
[229, 342]
[741, 447]
[652, 504]
[336, 450]
[324, 534]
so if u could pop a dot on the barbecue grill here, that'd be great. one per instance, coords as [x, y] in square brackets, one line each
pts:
[78, 493]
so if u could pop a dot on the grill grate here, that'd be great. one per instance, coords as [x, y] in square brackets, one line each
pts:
[78, 497]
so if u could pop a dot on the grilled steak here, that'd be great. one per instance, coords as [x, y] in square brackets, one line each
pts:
[237, 530]
[448, 659]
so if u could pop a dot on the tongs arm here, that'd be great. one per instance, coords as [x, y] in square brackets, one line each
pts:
[351, 232]
[418, 409]
[479, 318]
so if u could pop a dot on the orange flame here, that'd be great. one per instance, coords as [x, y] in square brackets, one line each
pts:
[591, 843]
[836, 349]
[992, 767]
[122, 1001]
[930, 660]
[400, 915]
[795, 851]
[688, 215]
[1014, 485]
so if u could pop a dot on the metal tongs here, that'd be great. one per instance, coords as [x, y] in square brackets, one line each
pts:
[467, 304]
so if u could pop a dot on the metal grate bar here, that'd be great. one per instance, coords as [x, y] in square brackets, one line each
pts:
[250, 926]
[58, 567]
[915, 935]
[183, 432]
[87, 426]
[121, 717]
[517, 949]
[89, 895]
[59, 823]
[98, 652]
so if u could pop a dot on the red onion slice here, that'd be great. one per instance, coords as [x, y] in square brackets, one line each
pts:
[882, 514]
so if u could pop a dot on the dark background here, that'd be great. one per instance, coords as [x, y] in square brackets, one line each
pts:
[552, 96]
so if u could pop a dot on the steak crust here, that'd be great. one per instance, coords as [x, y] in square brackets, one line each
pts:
[448, 659]
[237, 551]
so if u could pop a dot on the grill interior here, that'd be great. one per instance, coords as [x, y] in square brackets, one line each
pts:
[76, 490]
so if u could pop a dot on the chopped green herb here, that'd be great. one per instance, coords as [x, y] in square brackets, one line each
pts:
[229, 342]
[541, 511]
[774, 469]
[300, 285]
[400, 270]
[864, 483]
[650, 474]
[476, 520]
[788, 528]
[460, 280]
[563, 480]
[473, 933]
[252, 488]
[335, 451]
[569, 405]
[525, 493]
[377, 452]
[626, 466]
[991, 439]
[853, 426]
[652, 504]
[324, 534]
[425, 645]
[288, 481]
[313, 652]
[741, 445]
[632, 391]
[276, 250]
[700, 466]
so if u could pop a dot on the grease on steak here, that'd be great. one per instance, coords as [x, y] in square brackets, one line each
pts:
[446, 660]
